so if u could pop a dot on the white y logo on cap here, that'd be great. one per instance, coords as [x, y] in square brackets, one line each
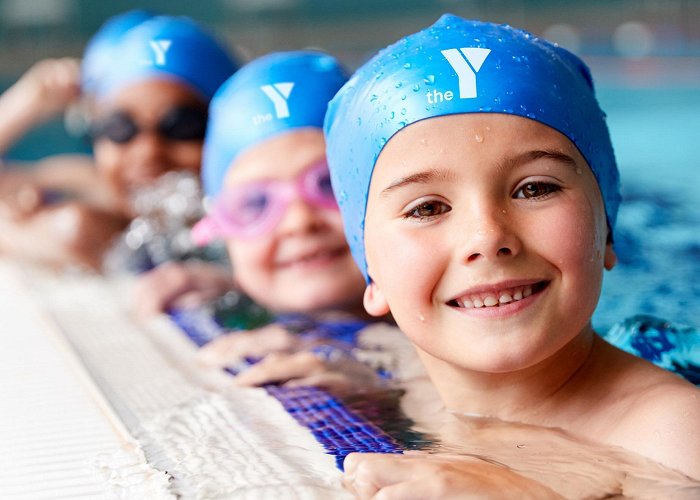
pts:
[160, 48]
[278, 94]
[467, 62]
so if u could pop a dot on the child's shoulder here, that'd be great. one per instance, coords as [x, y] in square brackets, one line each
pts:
[660, 419]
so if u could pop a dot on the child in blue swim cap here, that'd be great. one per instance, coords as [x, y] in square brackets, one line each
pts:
[479, 191]
[148, 117]
[269, 199]
[152, 103]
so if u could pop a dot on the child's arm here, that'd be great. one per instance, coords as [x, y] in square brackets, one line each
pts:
[45, 90]
[59, 235]
[57, 213]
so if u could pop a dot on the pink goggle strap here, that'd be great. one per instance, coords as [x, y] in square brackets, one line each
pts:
[205, 231]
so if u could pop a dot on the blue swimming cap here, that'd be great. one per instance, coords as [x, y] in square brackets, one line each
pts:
[273, 94]
[170, 47]
[100, 50]
[460, 66]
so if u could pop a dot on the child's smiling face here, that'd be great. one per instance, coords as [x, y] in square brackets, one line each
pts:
[303, 264]
[468, 210]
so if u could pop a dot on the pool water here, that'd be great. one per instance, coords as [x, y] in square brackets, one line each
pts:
[655, 133]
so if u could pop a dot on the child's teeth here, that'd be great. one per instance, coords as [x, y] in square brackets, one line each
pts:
[505, 298]
[490, 300]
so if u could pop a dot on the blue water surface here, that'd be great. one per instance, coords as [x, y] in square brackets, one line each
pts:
[656, 134]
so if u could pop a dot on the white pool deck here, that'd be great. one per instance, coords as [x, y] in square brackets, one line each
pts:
[97, 404]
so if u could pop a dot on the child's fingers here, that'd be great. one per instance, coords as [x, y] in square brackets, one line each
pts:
[278, 367]
[176, 284]
[156, 289]
[415, 490]
[50, 85]
[330, 380]
[367, 473]
[399, 476]
[24, 201]
[437, 476]
[226, 349]
[232, 348]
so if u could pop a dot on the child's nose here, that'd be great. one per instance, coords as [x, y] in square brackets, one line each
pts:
[490, 235]
[147, 156]
[300, 217]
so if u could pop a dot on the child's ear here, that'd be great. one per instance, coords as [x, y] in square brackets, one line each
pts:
[374, 301]
[610, 255]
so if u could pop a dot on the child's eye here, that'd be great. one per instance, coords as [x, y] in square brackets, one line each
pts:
[533, 190]
[427, 210]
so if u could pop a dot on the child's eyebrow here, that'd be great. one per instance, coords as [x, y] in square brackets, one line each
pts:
[549, 154]
[419, 178]
[432, 174]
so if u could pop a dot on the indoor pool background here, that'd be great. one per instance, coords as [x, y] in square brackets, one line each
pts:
[656, 134]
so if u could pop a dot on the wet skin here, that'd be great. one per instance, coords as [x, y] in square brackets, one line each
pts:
[481, 206]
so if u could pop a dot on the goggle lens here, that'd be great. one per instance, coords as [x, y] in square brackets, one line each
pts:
[177, 124]
[255, 209]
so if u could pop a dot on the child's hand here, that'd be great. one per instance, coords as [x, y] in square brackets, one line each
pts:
[48, 87]
[180, 285]
[419, 475]
[45, 90]
[234, 347]
[58, 235]
[19, 199]
[305, 368]
[287, 359]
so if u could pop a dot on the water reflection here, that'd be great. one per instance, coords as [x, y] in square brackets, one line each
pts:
[575, 467]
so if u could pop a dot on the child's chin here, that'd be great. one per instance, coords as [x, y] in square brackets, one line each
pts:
[316, 298]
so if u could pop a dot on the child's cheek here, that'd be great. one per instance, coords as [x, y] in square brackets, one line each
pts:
[252, 262]
[410, 262]
[575, 246]
[334, 221]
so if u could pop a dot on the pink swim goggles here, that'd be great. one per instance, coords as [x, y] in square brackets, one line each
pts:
[254, 209]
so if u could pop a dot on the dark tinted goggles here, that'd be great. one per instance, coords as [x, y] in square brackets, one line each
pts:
[178, 124]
